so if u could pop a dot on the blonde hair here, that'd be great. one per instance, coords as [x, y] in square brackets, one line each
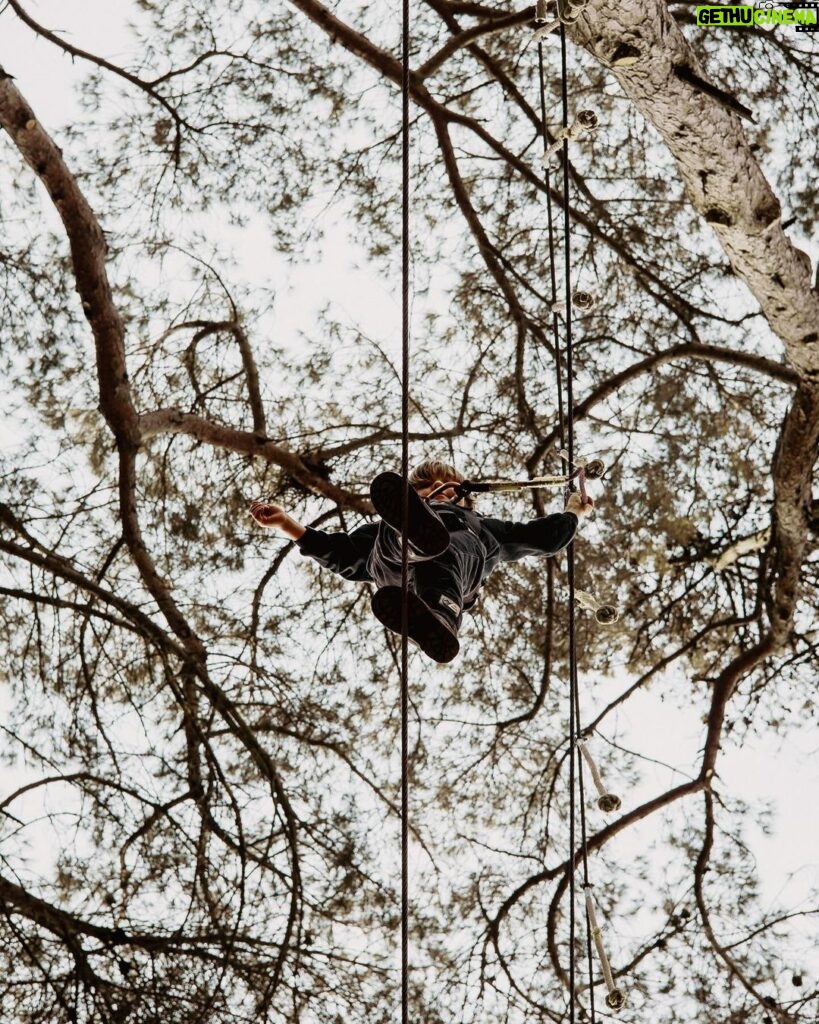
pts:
[430, 470]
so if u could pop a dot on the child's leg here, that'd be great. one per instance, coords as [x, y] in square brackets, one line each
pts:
[432, 630]
[441, 585]
[454, 576]
[427, 534]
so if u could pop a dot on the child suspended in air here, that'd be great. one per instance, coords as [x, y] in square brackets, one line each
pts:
[452, 549]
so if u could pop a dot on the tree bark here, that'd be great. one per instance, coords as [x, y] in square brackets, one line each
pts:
[720, 172]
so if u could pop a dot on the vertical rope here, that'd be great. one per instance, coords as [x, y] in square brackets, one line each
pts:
[567, 270]
[405, 383]
[563, 420]
[576, 766]
[552, 263]
[583, 840]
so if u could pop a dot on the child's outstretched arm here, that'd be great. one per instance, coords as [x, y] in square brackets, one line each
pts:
[544, 536]
[343, 553]
[275, 517]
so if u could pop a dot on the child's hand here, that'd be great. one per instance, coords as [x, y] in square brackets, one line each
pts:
[574, 503]
[268, 515]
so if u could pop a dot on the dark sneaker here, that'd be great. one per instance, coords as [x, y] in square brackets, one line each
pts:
[434, 630]
[426, 532]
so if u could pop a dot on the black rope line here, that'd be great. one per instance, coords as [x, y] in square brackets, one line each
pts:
[566, 435]
[405, 370]
[574, 714]
[567, 270]
[552, 262]
[574, 683]
[583, 840]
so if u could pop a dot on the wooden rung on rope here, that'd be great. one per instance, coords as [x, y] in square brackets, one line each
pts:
[585, 123]
[603, 613]
[582, 300]
[606, 801]
[591, 469]
[616, 998]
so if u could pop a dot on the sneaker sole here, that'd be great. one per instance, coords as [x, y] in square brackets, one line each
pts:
[423, 628]
[425, 531]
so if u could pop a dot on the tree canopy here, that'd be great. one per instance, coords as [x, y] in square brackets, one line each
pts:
[200, 814]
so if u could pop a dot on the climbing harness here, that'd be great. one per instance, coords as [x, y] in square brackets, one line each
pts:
[567, 11]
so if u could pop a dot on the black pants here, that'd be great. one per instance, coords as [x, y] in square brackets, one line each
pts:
[457, 573]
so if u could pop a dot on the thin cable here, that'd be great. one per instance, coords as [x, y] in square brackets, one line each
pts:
[584, 841]
[405, 379]
[567, 270]
[567, 260]
[552, 263]
[567, 418]
[576, 767]
[566, 465]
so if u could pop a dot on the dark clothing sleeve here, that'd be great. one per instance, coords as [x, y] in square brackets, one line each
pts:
[545, 536]
[347, 554]
[343, 553]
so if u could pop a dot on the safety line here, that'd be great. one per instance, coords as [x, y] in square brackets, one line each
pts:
[583, 838]
[405, 371]
[566, 416]
[564, 102]
[552, 262]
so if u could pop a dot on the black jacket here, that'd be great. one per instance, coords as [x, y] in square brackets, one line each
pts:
[347, 553]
